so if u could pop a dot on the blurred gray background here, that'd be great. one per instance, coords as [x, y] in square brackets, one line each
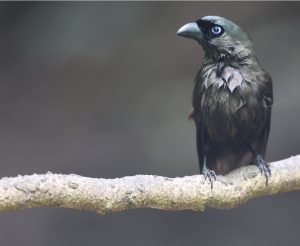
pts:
[104, 90]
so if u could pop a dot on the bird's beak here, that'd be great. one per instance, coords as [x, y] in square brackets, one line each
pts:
[190, 30]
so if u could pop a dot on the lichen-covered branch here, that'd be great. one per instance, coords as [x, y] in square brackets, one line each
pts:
[146, 191]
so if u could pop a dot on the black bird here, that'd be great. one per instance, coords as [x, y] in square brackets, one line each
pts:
[232, 99]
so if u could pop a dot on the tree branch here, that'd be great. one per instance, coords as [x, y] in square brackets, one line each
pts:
[146, 191]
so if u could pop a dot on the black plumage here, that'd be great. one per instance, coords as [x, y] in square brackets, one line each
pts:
[232, 99]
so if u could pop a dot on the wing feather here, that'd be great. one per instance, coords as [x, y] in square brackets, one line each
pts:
[198, 118]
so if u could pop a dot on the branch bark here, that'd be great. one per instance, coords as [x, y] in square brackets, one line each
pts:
[146, 191]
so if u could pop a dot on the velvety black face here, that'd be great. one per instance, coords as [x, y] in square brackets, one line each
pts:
[209, 29]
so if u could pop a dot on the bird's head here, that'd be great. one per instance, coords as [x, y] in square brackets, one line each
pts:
[218, 36]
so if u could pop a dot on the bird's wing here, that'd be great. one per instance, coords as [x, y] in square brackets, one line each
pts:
[267, 107]
[200, 145]
[198, 118]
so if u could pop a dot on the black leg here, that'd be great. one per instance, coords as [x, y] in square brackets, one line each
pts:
[261, 164]
[210, 174]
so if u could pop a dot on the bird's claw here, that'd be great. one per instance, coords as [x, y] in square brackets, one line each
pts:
[210, 174]
[263, 167]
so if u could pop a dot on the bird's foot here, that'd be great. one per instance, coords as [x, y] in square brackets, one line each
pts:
[263, 167]
[210, 174]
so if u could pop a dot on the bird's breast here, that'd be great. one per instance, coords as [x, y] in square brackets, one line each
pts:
[227, 77]
[229, 107]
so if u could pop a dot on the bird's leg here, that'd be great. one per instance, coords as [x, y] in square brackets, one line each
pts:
[261, 164]
[263, 167]
[210, 174]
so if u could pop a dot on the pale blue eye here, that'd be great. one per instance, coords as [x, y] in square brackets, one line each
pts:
[216, 30]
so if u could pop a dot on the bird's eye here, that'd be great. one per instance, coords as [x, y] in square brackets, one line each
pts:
[216, 30]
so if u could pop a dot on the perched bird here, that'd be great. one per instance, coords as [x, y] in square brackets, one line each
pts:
[232, 99]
